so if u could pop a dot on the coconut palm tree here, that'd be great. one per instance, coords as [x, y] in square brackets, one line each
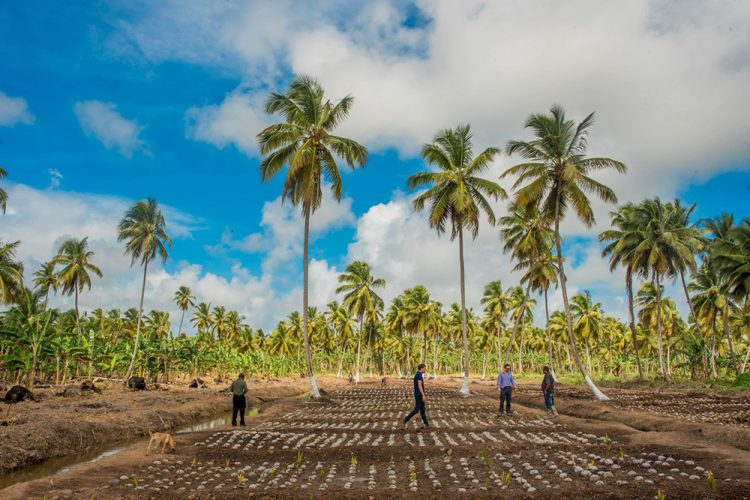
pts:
[143, 231]
[184, 300]
[556, 177]
[588, 320]
[542, 274]
[731, 255]
[75, 258]
[622, 239]
[456, 194]
[527, 236]
[496, 302]
[343, 324]
[45, 280]
[666, 248]
[11, 273]
[202, 318]
[420, 315]
[306, 144]
[3, 194]
[358, 286]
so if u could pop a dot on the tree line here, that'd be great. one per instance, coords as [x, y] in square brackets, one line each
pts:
[652, 241]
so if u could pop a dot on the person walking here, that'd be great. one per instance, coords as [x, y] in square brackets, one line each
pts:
[239, 389]
[419, 397]
[506, 383]
[548, 389]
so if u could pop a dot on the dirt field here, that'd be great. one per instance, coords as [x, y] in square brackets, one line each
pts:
[78, 422]
[352, 447]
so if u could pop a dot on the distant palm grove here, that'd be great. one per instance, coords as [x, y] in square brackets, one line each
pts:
[653, 243]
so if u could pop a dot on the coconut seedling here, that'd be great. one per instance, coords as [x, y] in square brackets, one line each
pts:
[298, 460]
[608, 442]
[660, 495]
[506, 478]
[711, 482]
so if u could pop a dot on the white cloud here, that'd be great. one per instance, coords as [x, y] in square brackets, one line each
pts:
[34, 218]
[235, 121]
[101, 120]
[14, 110]
[55, 178]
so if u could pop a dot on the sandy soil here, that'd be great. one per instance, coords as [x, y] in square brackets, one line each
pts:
[352, 447]
[78, 422]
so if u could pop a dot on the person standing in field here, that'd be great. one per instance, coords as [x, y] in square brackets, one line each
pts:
[239, 389]
[506, 383]
[548, 389]
[420, 398]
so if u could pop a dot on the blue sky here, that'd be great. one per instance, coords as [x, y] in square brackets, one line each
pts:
[102, 104]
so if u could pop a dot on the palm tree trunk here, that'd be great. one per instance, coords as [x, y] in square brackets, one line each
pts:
[359, 345]
[747, 358]
[78, 315]
[517, 321]
[499, 347]
[138, 325]
[305, 288]
[714, 373]
[484, 365]
[435, 356]
[658, 327]
[690, 303]
[631, 311]
[549, 335]
[464, 391]
[588, 355]
[729, 338]
[568, 318]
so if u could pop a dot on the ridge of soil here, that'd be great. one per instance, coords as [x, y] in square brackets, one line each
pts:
[352, 446]
[79, 422]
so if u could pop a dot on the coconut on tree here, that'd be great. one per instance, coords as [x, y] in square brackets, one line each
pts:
[305, 143]
[556, 177]
[143, 229]
[456, 194]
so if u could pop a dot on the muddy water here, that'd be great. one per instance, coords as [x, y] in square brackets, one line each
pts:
[60, 465]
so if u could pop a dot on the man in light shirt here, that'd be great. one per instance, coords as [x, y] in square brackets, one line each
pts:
[506, 383]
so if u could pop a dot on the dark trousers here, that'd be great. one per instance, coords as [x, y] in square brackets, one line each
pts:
[419, 407]
[505, 395]
[238, 405]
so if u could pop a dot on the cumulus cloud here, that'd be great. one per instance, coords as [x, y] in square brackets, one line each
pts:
[37, 221]
[14, 110]
[102, 121]
[234, 121]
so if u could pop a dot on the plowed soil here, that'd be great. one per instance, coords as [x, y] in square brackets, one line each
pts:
[352, 445]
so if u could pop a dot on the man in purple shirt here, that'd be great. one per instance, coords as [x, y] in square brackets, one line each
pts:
[506, 383]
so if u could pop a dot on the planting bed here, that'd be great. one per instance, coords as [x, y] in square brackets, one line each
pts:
[692, 406]
[354, 446]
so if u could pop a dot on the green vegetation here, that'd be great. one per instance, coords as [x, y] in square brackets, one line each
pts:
[652, 241]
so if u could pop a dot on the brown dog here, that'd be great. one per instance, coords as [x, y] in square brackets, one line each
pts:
[160, 437]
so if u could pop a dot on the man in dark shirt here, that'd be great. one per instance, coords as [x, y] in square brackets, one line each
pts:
[239, 388]
[419, 397]
[548, 389]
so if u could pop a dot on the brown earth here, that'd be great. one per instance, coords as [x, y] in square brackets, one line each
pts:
[67, 421]
[351, 446]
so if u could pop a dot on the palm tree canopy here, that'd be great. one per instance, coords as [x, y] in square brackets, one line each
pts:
[75, 258]
[358, 284]
[306, 144]
[557, 166]
[731, 256]
[455, 191]
[184, 298]
[143, 230]
[3, 194]
[11, 272]
[45, 278]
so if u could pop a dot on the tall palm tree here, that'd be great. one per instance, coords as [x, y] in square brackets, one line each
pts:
[666, 248]
[11, 273]
[419, 314]
[542, 274]
[75, 258]
[343, 324]
[456, 194]
[496, 302]
[731, 255]
[527, 236]
[3, 194]
[202, 318]
[589, 320]
[358, 286]
[184, 299]
[622, 239]
[556, 177]
[143, 231]
[305, 143]
[45, 280]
